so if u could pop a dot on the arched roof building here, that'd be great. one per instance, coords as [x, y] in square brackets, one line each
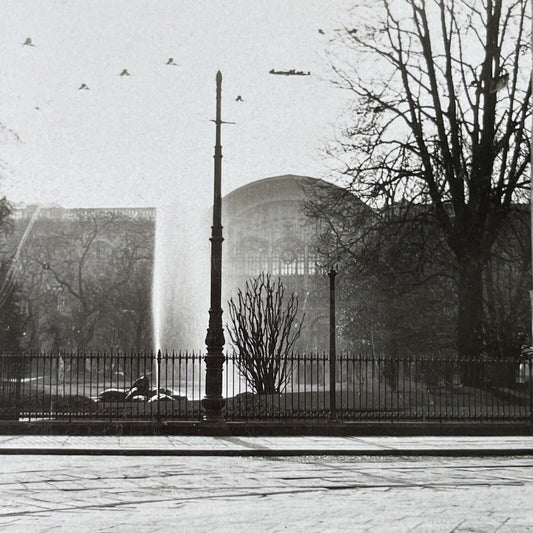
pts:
[266, 230]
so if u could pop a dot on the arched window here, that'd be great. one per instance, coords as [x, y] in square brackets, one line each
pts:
[288, 258]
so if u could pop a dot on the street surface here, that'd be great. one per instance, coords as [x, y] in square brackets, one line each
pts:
[308, 493]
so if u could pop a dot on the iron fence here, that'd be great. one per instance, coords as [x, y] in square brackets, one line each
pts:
[113, 386]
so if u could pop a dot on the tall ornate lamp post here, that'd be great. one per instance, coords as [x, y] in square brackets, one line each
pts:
[213, 403]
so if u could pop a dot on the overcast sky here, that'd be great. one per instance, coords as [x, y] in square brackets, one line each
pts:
[146, 140]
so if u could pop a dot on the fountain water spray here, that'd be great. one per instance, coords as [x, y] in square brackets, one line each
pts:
[180, 293]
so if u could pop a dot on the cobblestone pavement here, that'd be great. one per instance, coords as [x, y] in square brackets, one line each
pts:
[307, 493]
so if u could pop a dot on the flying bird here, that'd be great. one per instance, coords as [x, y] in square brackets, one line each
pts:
[239, 99]
[125, 72]
[28, 42]
[83, 87]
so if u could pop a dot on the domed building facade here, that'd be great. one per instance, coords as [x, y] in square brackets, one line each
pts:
[266, 230]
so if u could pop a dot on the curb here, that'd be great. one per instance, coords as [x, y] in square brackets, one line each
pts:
[265, 428]
[411, 452]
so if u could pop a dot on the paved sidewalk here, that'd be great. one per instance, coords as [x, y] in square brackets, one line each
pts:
[265, 446]
[98, 494]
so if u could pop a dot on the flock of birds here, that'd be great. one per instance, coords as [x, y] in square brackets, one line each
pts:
[170, 62]
[84, 86]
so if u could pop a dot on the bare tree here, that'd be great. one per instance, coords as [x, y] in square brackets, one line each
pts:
[65, 252]
[128, 316]
[263, 331]
[90, 276]
[440, 135]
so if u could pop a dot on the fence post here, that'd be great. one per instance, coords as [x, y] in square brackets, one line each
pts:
[530, 362]
[158, 384]
[332, 347]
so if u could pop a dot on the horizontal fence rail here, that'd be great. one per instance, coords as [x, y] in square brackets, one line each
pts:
[112, 386]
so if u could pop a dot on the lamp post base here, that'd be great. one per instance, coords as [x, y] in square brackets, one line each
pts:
[213, 402]
[213, 420]
[213, 409]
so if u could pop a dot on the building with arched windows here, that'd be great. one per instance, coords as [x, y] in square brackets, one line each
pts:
[266, 230]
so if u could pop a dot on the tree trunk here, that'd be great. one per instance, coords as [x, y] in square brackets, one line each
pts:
[470, 316]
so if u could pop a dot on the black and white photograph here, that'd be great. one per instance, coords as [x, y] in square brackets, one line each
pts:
[266, 266]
